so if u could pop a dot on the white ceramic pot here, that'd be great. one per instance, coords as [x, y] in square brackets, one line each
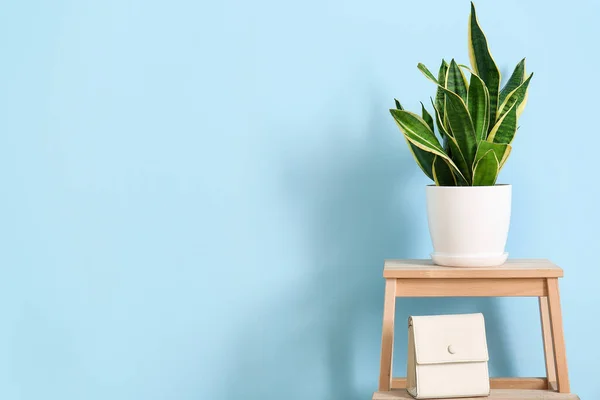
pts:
[469, 224]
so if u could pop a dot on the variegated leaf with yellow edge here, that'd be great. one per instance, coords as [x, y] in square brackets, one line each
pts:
[486, 169]
[482, 61]
[460, 123]
[439, 94]
[517, 96]
[427, 117]
[502, 151]
[455, 80]
[424, 159]
[426, 72]
[478, 103]
[416, 130]
[505, 129]
[464, 175]
[442, 173]
[515, 80]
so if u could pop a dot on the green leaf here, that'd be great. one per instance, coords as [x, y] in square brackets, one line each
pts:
[441, 129]
[442, 173]
[478, 104]
[451, 148]
[502, 151]
[486, 170]
[455, 80]
[482, 62]
[398, 105]
[439, 95]
[517, 96]
[505, 129]
[424, 159]
[505, 157]
[463, 66]
[427, 117]
[426, 72]
[417, 132]
[461, 125]
[517, 77]
[438, 120]
[466, 175]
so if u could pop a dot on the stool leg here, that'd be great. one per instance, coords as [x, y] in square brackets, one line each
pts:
[387, 336]
[548, 347]
[558, 338]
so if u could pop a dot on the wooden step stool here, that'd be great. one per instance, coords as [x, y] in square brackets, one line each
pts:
[516, 278]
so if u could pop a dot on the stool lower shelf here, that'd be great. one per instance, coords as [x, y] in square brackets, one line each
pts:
[496, 394]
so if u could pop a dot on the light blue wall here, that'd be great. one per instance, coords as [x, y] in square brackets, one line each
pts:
[198, 196]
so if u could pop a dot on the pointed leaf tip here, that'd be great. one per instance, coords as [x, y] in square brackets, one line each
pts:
[427, 73]
[455, 80]
[482, 61]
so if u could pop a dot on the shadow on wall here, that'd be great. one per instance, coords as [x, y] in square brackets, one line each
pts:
[320, 338]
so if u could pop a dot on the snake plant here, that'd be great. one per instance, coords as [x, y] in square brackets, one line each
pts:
[475, 118]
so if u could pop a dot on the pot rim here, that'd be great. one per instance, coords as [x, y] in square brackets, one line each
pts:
[498, 185]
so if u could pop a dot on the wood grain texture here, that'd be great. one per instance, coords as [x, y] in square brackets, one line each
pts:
[496, 383]
[517, 268]
[471, 287]
[547, 340]
[387, 335]
[496, 394]
[556, 323]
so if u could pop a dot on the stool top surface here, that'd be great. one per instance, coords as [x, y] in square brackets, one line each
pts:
[513, 268]
[495, 394]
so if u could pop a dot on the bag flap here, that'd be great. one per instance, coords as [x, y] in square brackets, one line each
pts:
[443, 339]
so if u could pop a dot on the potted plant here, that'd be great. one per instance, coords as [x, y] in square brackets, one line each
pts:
[476, 120]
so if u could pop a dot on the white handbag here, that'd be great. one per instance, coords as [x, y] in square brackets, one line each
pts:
[447, 357]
